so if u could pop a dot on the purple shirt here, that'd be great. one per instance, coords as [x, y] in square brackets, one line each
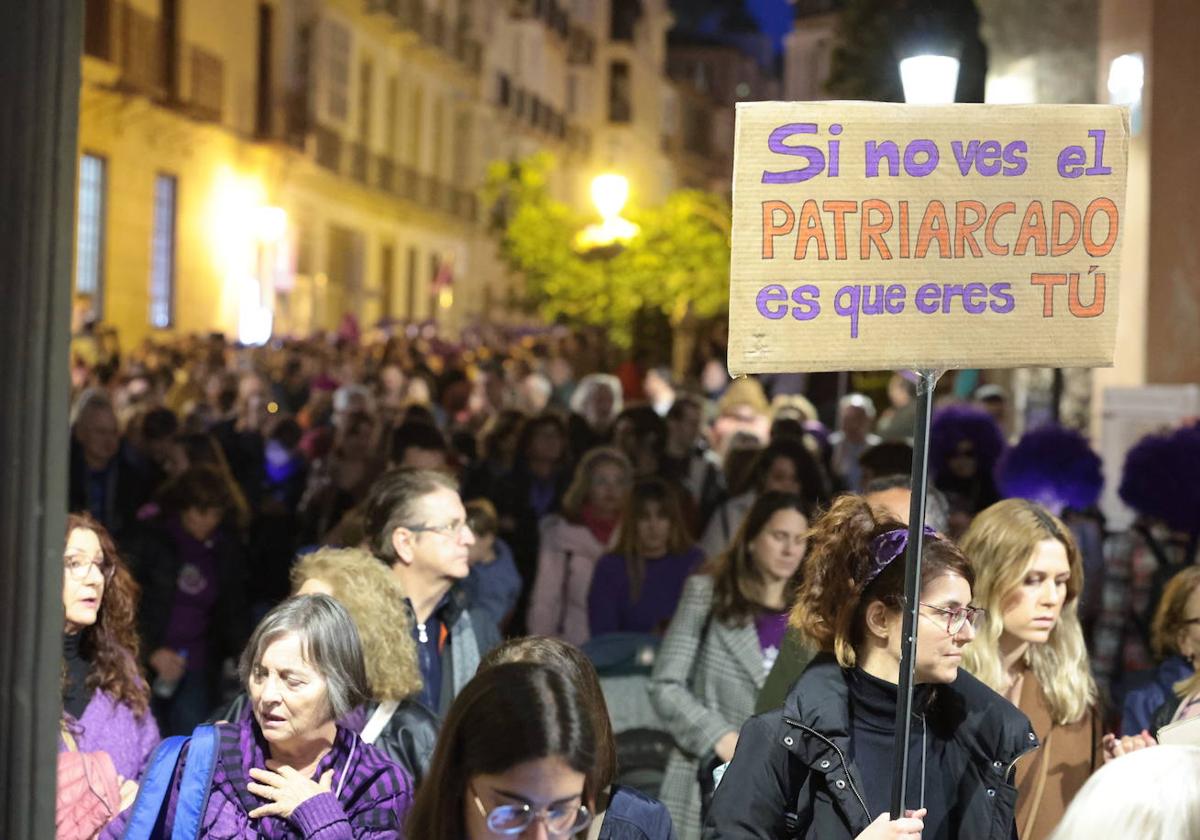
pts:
[370, 798]
[195, 596]
[611, 608]
[110, 726]
[771, 626]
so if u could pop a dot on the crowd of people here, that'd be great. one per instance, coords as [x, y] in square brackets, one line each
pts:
[393, 586]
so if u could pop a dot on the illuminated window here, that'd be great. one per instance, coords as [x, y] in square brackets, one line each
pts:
[89, 229]
[162, 253]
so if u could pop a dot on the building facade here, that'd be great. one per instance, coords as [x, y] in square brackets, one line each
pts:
[262, 167]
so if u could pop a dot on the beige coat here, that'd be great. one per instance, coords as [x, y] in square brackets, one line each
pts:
[1049, 778]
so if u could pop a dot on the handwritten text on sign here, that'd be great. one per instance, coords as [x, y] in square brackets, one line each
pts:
[882, 236]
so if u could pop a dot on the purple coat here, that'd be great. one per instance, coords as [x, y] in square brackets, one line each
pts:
[110, 726]
[373, 801]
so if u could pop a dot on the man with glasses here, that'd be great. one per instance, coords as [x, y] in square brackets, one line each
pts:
[416, 523]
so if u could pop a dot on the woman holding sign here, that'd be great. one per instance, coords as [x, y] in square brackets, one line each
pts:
[821, 767]
[1029, 573]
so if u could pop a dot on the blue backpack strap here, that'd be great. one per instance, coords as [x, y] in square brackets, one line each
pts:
[153, 789]
[198, 770]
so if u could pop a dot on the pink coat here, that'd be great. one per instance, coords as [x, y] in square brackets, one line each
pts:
[567, 557]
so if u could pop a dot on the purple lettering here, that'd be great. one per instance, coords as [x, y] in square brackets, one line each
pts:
[813, 155]
[772, 301]
[929, 298]
[917, 147]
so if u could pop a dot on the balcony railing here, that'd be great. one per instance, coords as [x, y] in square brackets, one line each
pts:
[358, 162]
[143, 63]
[329, 149]
[206, 95]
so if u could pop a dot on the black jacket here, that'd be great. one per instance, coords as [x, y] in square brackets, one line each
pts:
[408, 737]
[791, 776]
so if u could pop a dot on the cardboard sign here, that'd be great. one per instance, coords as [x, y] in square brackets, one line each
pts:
[881, 236]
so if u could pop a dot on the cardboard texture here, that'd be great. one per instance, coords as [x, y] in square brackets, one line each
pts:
[872, 236]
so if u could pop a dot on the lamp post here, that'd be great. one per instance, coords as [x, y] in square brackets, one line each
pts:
[929, 79]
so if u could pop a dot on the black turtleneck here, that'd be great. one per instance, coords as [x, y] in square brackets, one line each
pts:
[931, 759]
[76, 694]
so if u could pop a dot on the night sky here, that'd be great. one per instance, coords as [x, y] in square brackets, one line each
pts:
[774, 16]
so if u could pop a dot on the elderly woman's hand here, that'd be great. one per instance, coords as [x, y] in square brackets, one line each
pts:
[285, 789]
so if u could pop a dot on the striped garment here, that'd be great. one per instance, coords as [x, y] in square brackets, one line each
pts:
[371, 794]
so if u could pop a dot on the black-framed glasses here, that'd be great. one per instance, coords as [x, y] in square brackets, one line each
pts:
[956, 617]
[78, 566]
[560, 820]
[450, 529]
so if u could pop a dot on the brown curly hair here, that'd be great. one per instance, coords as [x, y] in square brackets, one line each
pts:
[111, 644]
[831, 599]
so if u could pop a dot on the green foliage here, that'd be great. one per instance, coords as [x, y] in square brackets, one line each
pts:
[677, 264]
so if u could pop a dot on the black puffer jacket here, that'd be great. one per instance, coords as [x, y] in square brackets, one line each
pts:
[791, 776]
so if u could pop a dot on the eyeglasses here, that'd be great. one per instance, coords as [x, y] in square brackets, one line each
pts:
[560, 821]
[78, 567]
[450, 529]
[959, 616]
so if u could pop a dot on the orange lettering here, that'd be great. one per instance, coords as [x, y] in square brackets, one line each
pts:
[1106, 206]
[873, 232]
[964, 231]
[771, 230]
[810, 228]
[1004, 208]
[1033, 227]
[934, 225]
[839, 209]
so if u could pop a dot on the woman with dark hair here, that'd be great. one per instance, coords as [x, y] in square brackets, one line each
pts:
[570, 543]
[722, 643]
[516, 749]
[821, 767]
[622, 812]
[193, 615]
[531, 491]
[635, 588]
[106, 705]
[338, 482]
[289, 769]
[785, 466]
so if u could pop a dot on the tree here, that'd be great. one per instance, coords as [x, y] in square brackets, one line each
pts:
[678, 264]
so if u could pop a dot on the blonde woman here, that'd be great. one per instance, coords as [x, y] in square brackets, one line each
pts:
[1030, 648]
[571, 543]
[394, 720]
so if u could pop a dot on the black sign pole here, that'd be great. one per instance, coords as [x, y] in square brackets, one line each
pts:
[912, 586]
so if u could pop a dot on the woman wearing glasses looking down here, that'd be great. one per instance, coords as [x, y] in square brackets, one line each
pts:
[513, 760]
[1028, 574]
[821, 767]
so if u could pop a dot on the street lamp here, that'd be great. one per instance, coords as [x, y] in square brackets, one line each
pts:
[929, 79]
[609, 191]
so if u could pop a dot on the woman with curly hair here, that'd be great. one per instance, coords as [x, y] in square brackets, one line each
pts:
[394, 719]
[821, 767]
[106, 702]
[1028, 576]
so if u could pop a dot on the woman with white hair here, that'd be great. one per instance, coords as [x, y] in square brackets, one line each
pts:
[1151, 794]
[289, 769]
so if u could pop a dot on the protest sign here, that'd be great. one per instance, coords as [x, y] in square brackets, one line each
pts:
[874, 236]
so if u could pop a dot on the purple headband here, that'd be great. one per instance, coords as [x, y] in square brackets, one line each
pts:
[886, 548]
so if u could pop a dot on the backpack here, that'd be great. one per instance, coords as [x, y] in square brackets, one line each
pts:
[147, 817]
